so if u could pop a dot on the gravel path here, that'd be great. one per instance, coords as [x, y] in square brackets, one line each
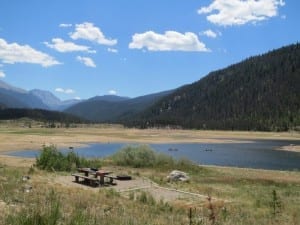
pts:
[136, 185]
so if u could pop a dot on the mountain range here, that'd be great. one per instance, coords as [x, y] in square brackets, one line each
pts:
[107, 108]
[114, 108]
[259, 93]
[13, 97]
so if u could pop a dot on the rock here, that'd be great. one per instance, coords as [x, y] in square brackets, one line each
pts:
[27, 188]
[2, 204]
[177, 175]
[25, 178]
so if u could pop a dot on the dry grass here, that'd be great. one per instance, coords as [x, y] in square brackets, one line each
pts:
[239, 196]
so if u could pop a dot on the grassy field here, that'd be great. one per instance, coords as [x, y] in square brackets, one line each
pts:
[237, 196]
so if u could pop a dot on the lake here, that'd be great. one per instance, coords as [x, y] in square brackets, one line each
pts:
[259, 154]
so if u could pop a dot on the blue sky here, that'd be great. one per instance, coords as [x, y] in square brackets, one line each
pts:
[79, 49]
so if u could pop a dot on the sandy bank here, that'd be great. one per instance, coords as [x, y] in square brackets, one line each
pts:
[12, 139]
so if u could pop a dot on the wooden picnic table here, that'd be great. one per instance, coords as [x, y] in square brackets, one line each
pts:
[97, 176]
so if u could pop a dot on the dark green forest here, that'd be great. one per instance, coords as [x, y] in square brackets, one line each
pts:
[259, 93]
[39, 115]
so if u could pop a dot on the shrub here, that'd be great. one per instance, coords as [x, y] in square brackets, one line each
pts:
[143, 156]
[135, 156]
[51, 159]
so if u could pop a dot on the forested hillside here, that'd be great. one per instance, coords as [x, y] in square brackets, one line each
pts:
[40, 115]
[259, 93]
[113, 108]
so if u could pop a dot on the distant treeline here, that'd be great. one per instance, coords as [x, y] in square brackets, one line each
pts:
[260, 93]
[40, 115]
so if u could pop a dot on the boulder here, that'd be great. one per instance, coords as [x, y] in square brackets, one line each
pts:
[177, 175]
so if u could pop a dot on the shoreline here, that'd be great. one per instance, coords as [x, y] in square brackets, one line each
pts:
[16, 139]
[17, 161]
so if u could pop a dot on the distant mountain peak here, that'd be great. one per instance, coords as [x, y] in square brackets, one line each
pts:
[13, 97]
[46, 97]
[108, 98]
[9, 87]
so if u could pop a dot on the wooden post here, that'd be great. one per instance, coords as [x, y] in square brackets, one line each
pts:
[190, 216]
[101, 179]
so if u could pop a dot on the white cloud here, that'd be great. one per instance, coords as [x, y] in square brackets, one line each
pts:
[77, 98]
[169, 41]
[2, 74]
[88, 31]
[15, 53]
[112, 92]
[210, 33]
[86, 61]
[112, 50]
[62, 46]
[65, 25]
[239, 12]
[65, 91]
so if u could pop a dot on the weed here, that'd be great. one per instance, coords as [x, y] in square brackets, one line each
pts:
[275, 204]
[31, 170]
[111, 193]
[131, 195]
[146, 198]
[38, 215]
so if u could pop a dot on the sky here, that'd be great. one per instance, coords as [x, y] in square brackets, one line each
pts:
[80, 49]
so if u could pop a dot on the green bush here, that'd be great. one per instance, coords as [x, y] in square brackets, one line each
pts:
[51, 159]
[144, 157]
[135, 156]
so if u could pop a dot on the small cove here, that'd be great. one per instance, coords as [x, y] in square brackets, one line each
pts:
[260, 154]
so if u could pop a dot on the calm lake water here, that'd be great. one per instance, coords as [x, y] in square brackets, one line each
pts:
[258, 154]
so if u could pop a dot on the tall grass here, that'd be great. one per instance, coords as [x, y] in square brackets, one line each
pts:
[48, 214]
[10, 183]
[253, 201]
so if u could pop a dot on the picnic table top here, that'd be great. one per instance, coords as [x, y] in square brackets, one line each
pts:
[103, 172]
[97, 172]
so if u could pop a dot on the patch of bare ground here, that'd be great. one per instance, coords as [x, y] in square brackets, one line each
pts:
[16, 161]
[136, 185]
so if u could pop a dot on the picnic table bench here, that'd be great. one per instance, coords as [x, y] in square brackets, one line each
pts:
[92, 181]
